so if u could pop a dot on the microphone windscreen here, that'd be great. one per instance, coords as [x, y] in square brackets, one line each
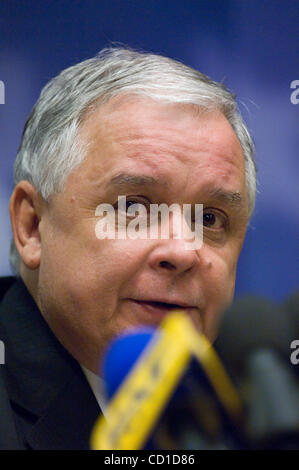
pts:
[121, 356]
[252, 323]
[291, 305]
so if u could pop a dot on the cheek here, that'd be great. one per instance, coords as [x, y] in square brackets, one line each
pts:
[86, 265]
[219, 288]
[92, 270]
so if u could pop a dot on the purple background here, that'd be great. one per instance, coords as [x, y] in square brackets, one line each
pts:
[251, 46]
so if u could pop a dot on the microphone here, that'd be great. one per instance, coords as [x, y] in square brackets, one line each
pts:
[254, 344]
[167, 390]
[291, 305]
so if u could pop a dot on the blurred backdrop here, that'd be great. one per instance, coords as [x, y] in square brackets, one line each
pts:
[249, 45]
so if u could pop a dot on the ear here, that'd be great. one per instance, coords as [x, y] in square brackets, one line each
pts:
[25, 214]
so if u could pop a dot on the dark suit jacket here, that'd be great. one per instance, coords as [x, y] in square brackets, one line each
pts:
[45, 399]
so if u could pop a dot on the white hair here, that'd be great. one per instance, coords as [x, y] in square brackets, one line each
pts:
[50, 148]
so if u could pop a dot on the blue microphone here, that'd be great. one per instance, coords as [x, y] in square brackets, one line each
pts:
[121, 357]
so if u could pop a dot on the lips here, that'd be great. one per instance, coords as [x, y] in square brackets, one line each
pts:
[154, 311]
[162, 305]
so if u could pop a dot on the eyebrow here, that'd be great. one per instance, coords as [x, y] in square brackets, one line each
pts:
[126, 179]
[233, 198]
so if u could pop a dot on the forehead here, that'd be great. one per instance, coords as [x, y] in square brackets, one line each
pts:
[131, 117]
[157, 139]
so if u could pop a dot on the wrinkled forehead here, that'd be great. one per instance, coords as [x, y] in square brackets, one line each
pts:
[130, 116]
[136, 133]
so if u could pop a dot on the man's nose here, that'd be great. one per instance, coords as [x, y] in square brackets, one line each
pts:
[172, 256]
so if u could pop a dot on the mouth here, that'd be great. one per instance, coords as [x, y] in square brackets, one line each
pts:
[162, 305]
[155, 311]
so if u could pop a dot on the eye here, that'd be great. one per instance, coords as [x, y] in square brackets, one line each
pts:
[132, 206]
[214, 219]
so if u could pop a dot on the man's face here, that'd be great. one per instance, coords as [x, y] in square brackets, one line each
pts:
[90, 289]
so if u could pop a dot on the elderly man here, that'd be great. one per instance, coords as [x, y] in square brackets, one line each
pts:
[157, 132]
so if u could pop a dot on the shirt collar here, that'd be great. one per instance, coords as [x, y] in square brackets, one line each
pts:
[97, 385]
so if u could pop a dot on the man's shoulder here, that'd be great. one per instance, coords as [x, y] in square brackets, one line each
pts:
[6, 282]
[15, 298]
[8, 432]
[42, 387]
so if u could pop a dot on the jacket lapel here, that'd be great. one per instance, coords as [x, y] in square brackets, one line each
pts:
[68, 420]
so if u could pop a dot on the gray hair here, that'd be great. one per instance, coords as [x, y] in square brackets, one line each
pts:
[50, 148]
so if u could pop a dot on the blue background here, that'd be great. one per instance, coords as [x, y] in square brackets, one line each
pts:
[250, 45]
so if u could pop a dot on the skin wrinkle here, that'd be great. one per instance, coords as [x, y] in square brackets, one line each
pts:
[123, 180]
[85, 285]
